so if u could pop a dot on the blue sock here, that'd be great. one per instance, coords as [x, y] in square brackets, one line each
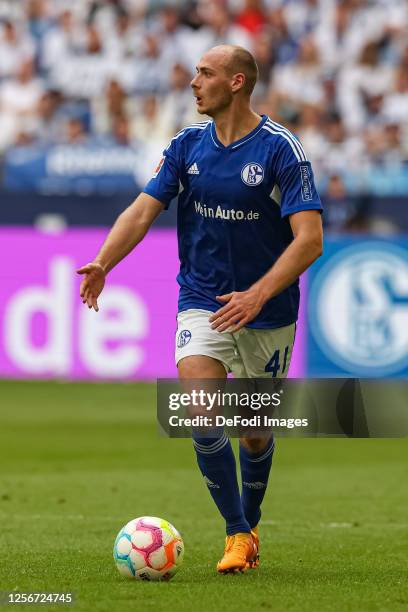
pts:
[216, 461]
[255, 468]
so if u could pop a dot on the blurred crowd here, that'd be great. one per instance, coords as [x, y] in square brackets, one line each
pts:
[118, 72]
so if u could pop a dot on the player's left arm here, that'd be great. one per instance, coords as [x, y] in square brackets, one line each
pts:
[241, 307]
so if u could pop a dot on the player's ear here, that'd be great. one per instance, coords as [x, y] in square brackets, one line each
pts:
[238, 82]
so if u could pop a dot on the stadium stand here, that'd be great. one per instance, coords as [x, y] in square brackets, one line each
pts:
[91, 91]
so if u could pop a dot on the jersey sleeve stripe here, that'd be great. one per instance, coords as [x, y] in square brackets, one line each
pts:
[197, 126]
[175, 138]
[294, 149]
[202, 125]
[199, 123]
[281, 128]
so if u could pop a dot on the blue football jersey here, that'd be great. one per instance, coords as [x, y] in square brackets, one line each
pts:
[233, 211]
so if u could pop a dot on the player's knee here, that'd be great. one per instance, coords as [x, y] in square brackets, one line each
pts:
[199, 367]
[254, 445]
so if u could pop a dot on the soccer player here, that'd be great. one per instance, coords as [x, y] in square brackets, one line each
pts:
[249, 224]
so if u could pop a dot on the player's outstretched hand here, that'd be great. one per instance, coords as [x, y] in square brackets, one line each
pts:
[92, 284]
[240, 308]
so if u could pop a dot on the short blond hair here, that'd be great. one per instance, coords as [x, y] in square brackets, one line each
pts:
[241, 60]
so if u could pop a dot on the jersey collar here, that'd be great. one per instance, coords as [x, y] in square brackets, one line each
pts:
[241, 141]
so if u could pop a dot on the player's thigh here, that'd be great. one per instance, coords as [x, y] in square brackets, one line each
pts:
[201, 350]
[264, 353]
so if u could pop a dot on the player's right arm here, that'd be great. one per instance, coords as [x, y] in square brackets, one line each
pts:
[132, 225]
[129, 229]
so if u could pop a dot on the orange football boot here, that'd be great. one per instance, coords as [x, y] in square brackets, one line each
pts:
[253, 562]
[240, 549]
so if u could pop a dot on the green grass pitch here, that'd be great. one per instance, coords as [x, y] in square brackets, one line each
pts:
[77, 461]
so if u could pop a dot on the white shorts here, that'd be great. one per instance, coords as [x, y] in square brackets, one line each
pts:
[248, 353]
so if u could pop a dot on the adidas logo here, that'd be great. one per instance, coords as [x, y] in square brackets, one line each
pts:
[210, 484]
[193, 169]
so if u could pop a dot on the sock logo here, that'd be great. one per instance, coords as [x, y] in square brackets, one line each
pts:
[210, 484]
[254, 485]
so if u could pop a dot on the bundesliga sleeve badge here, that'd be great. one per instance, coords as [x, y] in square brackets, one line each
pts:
[159, 166]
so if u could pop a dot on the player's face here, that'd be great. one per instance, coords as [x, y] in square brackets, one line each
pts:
[212, 85]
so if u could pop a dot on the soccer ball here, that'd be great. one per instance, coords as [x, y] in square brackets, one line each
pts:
[148, 548]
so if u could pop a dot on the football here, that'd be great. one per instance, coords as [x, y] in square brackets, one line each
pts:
[148, 548]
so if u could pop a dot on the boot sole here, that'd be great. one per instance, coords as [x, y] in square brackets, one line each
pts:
[232, 570]
[253, 564]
